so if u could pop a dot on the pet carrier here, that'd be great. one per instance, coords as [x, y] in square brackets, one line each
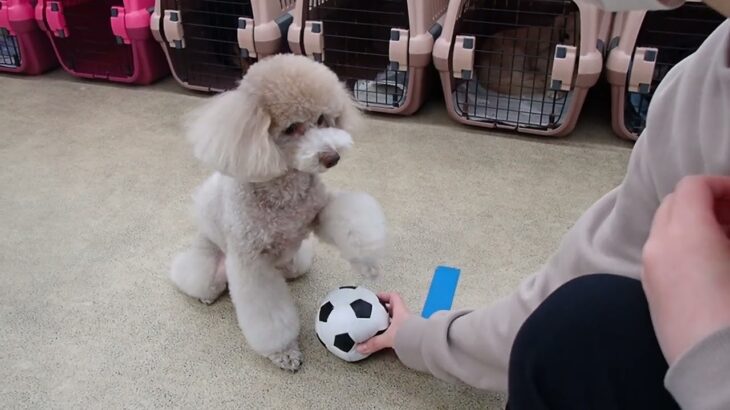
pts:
[645, 46]
[103, 39]
[380, 49]
[24, 48]
[211, 43]
[523, 65]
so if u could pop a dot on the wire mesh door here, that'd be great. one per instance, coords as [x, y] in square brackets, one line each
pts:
[91, 47]
[9, 50]
[211, 57]
[676, 34]
[513, 53]
[356, 42]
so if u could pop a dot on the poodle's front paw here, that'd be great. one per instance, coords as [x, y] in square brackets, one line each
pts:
[366, 269]
[215, 295]
[289, 359]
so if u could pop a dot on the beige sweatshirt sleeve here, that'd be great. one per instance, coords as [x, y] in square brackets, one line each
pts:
[687, 133]
[700, 379]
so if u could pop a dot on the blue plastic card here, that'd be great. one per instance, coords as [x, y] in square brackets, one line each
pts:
[443, 288]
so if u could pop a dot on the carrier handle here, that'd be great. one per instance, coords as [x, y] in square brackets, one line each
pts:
[561, 78]
[398, 49]
[129, 25]
[245, 37]
[119, 27]
[156, 22]
[314, 40]
[56, 20]
[463, 58]
[642, 70]
[172, 25]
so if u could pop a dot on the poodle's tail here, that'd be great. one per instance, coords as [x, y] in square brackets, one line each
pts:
[200, 271]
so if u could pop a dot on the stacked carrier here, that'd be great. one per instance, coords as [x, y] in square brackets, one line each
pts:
[24, 48]
[103, 39]
[380, 49]
[645, 46]
[210, 44]
[523, 65]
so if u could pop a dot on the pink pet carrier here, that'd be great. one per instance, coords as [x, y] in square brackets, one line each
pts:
[380, 49]
[523, 65]
[24, 48]
[645, 46]
[210, 44]
[103, 39]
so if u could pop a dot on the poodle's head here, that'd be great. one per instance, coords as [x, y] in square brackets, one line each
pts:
[288, 113]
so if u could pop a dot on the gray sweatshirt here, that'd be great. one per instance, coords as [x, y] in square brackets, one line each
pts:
[687, 133]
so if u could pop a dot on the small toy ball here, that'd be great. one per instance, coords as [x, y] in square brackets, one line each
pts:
[348, 316]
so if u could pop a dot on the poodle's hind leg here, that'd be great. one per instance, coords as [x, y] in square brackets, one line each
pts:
[301, 262]
[265, 309]
[200, 271]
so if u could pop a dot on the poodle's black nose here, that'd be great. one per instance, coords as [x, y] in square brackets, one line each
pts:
[329, 159]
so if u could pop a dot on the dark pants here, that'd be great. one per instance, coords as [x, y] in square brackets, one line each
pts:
[590, 345]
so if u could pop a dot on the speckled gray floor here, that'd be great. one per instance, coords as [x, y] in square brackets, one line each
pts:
[94, 193]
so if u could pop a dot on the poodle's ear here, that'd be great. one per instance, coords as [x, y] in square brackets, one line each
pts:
[230, 133]
[351, 117]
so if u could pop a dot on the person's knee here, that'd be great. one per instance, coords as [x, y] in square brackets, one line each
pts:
[586, 299]
[593, 331]
[577, 313]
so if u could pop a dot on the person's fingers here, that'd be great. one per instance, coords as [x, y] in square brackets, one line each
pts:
[699, 196]
[695, 201]
[722, 211]
[398, 307]
[718, 185]
[385, 296]
[375, 344]
[663, 215]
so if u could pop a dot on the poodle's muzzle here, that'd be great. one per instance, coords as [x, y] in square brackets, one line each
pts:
[320, 149]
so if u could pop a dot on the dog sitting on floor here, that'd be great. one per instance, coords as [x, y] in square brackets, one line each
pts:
[269, 139]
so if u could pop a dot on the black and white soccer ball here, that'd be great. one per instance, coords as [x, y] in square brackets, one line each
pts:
[348, 316]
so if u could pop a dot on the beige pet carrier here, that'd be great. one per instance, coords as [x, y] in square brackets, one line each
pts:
[380, 49]
[644, 47]
[211, 43]
[523, 65]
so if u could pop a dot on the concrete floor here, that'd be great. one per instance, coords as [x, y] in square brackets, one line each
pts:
[95, 181]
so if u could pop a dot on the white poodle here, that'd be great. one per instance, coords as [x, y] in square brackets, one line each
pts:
[269, 140]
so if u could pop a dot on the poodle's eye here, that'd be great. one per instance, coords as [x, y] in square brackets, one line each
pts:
[321, 121]
[291, 129]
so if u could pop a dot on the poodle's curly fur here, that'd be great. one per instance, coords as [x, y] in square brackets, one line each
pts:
[288, 120]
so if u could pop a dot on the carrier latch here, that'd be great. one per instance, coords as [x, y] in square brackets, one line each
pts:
[398, 50]
[245, 37]
[463, 59]
[642, 70]
[172, 25]
[56, 20]
[155, 22]
[314, 40]
[561, 78]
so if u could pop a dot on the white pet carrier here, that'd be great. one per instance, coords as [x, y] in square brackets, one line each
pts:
[523, 65]
[644, 47]
[380, 49]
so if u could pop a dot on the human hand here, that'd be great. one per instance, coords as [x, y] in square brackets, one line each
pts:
[399, 313]
[686, 275]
